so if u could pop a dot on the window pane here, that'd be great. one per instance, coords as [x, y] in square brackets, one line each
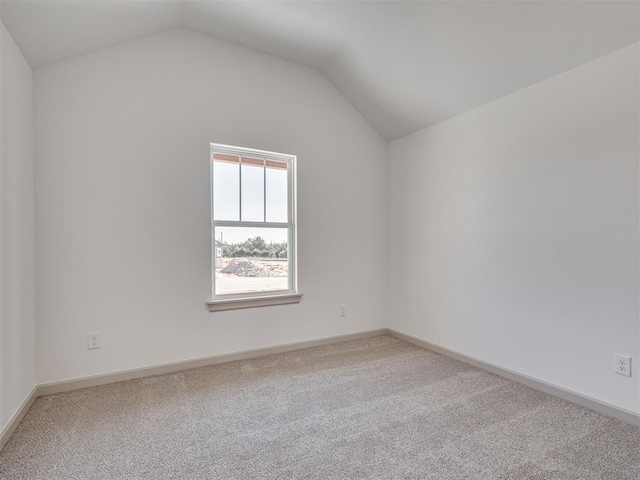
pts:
[226, 187]
[277, 179]
[249, 260]
[252, 190]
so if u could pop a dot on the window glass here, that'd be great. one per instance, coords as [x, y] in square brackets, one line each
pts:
[277, 195]
[226, 187]
[252, 260]
[252, 190]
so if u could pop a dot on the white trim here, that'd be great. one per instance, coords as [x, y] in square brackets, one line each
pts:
[604, 408]
[292, 192]
[290, 225]
[251, 302]
[172, 367]
[251, 295]
[17, 417]
[166, 368]
[247, 224]
[627, 416]
[240, 151]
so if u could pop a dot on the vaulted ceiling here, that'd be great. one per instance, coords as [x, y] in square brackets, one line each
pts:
[404, 65]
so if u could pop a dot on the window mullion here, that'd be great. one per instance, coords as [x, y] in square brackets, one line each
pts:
[240, 188]
[249, 224]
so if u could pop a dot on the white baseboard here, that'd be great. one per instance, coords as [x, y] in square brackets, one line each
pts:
[607, 409]
[17, 417]
[94, 380]
[162, 369]
[627, 416]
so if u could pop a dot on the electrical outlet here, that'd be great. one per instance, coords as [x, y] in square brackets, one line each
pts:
[93, 341]
[622, 365]
[343, 311]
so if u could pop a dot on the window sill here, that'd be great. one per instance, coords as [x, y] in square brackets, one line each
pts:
[253, 302]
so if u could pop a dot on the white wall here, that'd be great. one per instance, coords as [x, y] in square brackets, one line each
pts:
[122, 180]
[17, 248]
[515, 230]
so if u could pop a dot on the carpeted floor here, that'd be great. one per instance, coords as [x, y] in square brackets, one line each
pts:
[371, 409]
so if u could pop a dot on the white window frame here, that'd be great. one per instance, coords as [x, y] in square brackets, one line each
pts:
[272, 297]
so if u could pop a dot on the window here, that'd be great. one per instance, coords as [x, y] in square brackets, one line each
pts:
[253, 212]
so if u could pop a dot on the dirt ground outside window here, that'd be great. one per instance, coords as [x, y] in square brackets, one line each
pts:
[246, 275]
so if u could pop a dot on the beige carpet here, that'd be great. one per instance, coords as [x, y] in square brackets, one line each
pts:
[372, 409]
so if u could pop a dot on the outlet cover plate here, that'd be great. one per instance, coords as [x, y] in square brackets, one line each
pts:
[93, 340]
[622, 365]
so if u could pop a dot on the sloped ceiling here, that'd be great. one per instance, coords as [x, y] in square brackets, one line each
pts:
[404, 65]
